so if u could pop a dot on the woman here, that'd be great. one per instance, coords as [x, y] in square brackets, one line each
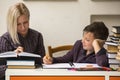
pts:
[20, 37]
[88, 50]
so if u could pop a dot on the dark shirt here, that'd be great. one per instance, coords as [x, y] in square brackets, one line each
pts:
[78, 55]
[33, 43]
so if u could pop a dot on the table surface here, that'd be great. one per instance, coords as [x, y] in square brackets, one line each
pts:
[60, 72]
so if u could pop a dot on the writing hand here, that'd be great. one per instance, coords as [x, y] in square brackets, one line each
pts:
[47, 59]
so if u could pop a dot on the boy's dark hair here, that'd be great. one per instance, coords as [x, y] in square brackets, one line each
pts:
[99, 30]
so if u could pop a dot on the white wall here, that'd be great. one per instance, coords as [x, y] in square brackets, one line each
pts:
[61, 22]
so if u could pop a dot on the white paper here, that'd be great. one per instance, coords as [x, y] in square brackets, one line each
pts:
[28, 54]
[67, 65]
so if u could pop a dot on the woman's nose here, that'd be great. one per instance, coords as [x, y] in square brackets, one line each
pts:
[23, 26]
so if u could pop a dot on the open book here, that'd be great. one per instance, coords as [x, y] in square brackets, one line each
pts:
[77, 67]
[14, 54]
[68, 65]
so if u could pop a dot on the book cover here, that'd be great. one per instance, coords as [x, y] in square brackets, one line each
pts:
[21, 67]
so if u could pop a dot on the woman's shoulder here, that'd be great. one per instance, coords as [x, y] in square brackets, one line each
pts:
[34, 32]
[5, 36]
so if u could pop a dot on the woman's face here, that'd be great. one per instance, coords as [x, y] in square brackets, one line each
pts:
[87, 41]
[22, 25]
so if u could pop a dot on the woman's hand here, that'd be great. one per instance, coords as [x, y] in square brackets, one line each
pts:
[19, 49]
[47, 59]
[98, 44]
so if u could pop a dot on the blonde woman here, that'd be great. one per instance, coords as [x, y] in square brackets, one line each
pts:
[20, 37]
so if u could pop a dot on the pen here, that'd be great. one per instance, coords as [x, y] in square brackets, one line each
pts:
[71, 64]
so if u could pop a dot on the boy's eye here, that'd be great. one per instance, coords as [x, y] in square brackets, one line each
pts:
[18, 24]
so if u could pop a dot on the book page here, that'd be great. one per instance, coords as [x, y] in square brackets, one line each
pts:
[67, 65]
[28, 54]
[8, 54]
[57, 65]
[13, 54]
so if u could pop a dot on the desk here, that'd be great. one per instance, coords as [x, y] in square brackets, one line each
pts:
[60, 74]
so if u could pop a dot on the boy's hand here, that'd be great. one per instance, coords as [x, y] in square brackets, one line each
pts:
[47, 59]
[98, 44]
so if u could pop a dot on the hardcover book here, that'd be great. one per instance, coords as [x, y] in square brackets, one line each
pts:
[20, 60]
[21, 67]
[112, 48]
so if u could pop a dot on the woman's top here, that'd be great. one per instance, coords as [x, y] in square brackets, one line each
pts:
[32, 43]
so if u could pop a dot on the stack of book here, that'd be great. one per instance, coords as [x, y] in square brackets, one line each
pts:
[22, 60]
[113, 62]
[118, 57]
[116, 31]
[115, 37]
[112, 47]
[28, 64]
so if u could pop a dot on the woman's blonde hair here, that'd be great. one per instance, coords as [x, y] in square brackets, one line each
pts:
[13, 13]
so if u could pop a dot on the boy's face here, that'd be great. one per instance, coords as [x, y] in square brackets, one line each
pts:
[87, 40]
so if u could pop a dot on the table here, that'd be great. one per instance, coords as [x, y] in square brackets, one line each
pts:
[60, 74]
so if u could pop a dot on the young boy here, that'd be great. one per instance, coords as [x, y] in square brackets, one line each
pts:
[88, 50]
